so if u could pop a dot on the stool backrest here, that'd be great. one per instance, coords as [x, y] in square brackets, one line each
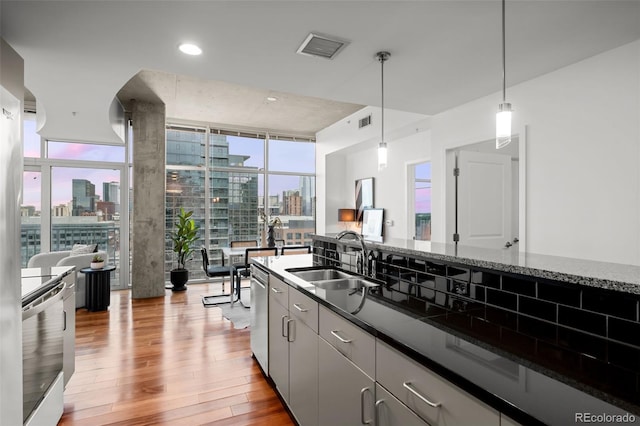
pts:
[296, 250]
[205, 258]
[258, 252]
[244, 243]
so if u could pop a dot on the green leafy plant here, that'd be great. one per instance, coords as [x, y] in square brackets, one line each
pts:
[184, 236]
[97, 258]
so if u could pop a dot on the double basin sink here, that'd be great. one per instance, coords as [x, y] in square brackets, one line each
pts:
[331, 279]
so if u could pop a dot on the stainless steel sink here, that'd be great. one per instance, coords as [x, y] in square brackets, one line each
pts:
[333, 284]
[344, 284]
[320, 274]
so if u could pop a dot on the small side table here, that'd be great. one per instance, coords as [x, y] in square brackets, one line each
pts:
[98, 287]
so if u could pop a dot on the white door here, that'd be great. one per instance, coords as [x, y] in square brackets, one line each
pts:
[484, 199]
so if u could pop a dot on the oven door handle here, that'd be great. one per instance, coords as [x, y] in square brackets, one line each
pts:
[53, 296]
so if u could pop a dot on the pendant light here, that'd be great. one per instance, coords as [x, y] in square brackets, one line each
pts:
[503, 117]
[382, 147]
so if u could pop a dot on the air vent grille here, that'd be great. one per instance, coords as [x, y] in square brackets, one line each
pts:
[321, 46]
[364, 121]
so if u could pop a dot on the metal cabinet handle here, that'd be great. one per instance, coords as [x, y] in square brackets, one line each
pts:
[342, 339]
[276, 290]
[377, 410]
[411, 389]
[301, 309]
[282, 326]
[289, 334]
[362, 419]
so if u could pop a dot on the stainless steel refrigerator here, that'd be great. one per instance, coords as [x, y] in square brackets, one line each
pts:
[11, 160]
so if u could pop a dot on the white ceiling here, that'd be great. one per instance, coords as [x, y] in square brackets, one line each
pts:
[79, 55]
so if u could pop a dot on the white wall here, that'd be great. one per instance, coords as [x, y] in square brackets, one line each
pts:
[583, 156]
[345, 153]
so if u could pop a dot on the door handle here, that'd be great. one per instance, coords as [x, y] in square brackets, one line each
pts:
[342, 339]
[410, 388]
[299, 308]
[362, 419]
[282, 327]
[377, 411]
[289, 339]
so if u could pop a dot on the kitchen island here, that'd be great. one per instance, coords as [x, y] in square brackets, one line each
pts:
[538, 344]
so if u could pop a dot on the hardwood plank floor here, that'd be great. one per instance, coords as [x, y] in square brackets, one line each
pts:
[166, 360]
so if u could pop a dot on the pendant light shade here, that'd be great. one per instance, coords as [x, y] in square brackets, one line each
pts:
[503, 125]
[382, 155]
[503, 117]
[382, 147]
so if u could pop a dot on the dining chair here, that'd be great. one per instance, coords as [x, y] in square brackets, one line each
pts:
[241, 243]
[295, 250]
[244, 271]
[216, 272]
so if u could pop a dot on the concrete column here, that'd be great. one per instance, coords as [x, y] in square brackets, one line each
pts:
[148, 229]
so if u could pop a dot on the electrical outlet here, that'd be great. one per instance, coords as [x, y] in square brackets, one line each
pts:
[388, 222]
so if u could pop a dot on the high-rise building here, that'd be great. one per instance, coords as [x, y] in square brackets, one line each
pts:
[84, 197]
[291, 203]
[308, 194]
[111, 192]
[60, 210]
[27, 211]
[232, 197]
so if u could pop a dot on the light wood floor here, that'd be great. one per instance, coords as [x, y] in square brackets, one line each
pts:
[166, 360]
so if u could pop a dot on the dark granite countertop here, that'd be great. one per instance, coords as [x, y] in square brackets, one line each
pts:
[611, 276]
[486, 356]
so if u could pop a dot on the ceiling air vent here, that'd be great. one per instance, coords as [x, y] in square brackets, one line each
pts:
[364, 121]
[321, 46]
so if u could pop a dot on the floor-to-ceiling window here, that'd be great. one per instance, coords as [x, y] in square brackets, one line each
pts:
[223, 176]
[72, 195]
[422, 201]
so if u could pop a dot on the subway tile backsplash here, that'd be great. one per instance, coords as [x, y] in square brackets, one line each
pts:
[561, 313]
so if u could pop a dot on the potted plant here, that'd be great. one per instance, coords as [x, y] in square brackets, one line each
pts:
[97, 262]
[184, 236]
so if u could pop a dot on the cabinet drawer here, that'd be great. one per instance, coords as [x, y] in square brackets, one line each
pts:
[414, 384]
[278, 291]
[353, 342]
[304, 309]
[391, 412]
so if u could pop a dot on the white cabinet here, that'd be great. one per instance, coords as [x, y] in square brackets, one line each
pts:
[279, 347]
[391, 412]
[293, 350]
[345, 388]
[303, 373]
[353, 342]
[431, 397]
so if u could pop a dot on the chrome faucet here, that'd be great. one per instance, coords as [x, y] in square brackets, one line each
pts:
[363, 259]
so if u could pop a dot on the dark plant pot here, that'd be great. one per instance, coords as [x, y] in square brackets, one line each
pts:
[179, 278]
[271, 240]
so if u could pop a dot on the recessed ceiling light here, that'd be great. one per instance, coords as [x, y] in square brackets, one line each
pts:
[272, 98]
[190, 49]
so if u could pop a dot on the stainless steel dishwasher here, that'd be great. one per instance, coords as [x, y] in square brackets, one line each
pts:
[260, 317]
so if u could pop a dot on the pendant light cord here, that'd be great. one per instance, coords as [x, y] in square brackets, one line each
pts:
[382, 59]
[504, 60]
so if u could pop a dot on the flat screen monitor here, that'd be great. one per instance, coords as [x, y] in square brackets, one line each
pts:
[372, 221]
